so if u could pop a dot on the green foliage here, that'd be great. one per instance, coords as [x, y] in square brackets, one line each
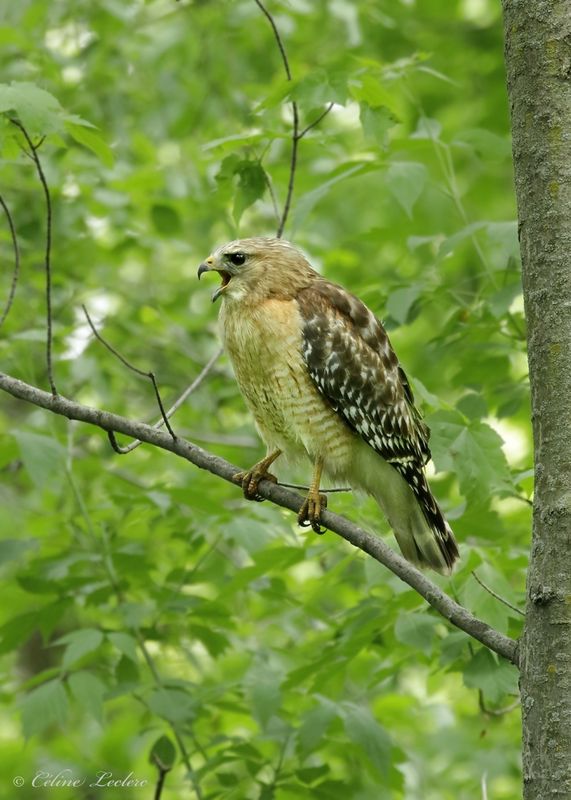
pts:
[151, 618]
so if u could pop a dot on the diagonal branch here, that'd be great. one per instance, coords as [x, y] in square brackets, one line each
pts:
[367, 542]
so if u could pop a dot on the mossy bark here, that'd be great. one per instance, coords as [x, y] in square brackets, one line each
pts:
[538, 63]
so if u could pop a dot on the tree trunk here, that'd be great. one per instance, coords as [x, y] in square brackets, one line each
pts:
[538, 62]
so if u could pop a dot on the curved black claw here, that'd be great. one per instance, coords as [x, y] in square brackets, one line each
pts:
[250, 480]
[310, 512]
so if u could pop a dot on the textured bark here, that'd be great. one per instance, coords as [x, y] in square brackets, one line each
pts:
[538, 61]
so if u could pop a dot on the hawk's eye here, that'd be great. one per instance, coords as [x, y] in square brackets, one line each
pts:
[236, 258]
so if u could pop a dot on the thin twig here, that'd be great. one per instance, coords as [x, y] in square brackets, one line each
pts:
[16, 271]
[163, 771]
[47, 259]
[133, 368]
[175, 406]
[277, 37]
[315, 122]
[273, 197]
[295, 137]
[292, 169]
[373, 545]
[496, 595]
[496, 712]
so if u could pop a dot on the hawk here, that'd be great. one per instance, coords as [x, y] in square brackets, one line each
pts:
[317, 370]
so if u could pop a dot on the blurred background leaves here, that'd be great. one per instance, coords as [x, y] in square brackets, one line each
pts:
[144, 601]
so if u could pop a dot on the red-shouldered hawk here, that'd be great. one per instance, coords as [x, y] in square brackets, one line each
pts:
[318, 372]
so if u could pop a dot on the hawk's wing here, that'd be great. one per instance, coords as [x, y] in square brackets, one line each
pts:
[350, 359]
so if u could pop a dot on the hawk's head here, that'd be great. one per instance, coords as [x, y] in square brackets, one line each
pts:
[257, 266]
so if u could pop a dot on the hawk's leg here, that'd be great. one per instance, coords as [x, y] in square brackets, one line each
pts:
[250, 479]
[314, 503]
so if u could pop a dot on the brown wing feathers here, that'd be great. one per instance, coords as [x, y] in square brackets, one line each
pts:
[350, 359]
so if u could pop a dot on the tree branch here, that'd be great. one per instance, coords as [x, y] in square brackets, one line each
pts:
[368, 543]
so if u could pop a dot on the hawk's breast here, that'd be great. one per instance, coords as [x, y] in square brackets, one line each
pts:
[264, 343]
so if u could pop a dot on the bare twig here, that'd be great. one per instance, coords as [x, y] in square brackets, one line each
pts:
[134, 369]
[175, 406]
[296, 134]
[16, 271]
[33, 154]
[315, 122]
[496, 595]
[163, 771]
[496, 712]
[367, 542]
[295, 129]
[277, 37]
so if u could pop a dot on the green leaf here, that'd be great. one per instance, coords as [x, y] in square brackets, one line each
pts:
[376, 123]
[473, 405]
[427, 128]
[309, 775]
[369, 91]
[364, 731]
[307, 203]
[126, 643]
[473, 451]
[79, 643]
[165, 219]
[417, 630]
[400, 302]
[43, 457]
[88, 690]
[486, 144]
[163, 753]
[15, 549]
[173, 705]
[314, 726]
[38, 110]
[262, 685]
[495, 677]
[47, 705]
[252, 184]
[89, 138]
[500, 302]
[405, 180]
[450, 243]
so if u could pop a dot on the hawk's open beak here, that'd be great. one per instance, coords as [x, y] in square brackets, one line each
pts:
[208, 266]
[204, 267]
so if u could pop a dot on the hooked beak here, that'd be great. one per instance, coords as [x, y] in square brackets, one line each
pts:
[208, 266]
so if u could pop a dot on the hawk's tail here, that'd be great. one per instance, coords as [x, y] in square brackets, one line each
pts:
[422, 533]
